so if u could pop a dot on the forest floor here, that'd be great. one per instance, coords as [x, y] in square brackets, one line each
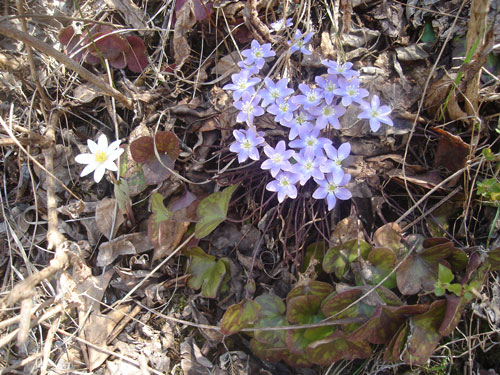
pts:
[199, 242]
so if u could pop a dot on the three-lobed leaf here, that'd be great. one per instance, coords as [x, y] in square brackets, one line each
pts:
[212, 211]
[206, 272]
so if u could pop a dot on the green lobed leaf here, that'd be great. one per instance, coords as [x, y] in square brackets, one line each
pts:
[272, 314]
[383, 261]
[424, 335]
[314, 288]
[493, 259]
[338, 258]
[206, 273]
[445, 275]
[160, 212]
[122, 194]
[268, 352]
[337, 347]
[239, 316]
[212, 211]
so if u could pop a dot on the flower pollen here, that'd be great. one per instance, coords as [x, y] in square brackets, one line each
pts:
[100, 156]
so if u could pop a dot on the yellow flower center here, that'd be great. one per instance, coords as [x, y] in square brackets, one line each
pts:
[100, 156]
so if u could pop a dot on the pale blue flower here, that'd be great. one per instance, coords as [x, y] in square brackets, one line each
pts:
[257, 54]
[300, 42]
[312, 96]
[246, 144]
[328, 114]
[340, 69]
[335, 157]
[283, 110]
[331, 188]
[328, 85]
[242, 82]
[299, 123]
[281, 25]
[278, 158]
[251, 68]
[284, 185]
[376, 113]
[308, 166]
[249, 108]
[274, 91]
[350, 91]
[310, 143]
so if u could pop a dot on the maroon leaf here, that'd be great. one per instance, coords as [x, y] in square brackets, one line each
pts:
[454, 308]
[167, 142]
[136, 55]
[110, 46]
[420, 270]
[119, 62]
[155, 171]
[65, 35]
[385, 322]
[396, 345]
[142, 149]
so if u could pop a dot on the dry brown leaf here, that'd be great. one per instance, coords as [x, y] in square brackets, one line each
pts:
[193, 362]
[347, 229]
[97, 331]
[186, 19]
[227, 65]
[106, 214]
[388, 235]
[451, 151]
[131, 13]
[109, 251]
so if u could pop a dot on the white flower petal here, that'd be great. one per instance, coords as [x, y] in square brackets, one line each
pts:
[102, 142]
[85, 158]
[99, 173]
[110, 165]
[88, 169]
[92, 146]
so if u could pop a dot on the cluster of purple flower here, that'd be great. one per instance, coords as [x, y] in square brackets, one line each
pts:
[306, 114]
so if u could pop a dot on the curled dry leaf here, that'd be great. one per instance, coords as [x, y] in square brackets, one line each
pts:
[186, 19]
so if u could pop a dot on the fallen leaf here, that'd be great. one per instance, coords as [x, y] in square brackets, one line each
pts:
[108, 217]
[186, 19]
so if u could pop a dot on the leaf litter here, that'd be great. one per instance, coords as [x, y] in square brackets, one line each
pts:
[187, 222]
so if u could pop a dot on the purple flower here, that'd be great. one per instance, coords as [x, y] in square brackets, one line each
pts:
[246, 144]
[281, 24]
[328, 84]
[311, 97]
[299, 123]
[334, 163]
[310, 143]
[257, 53]
[308, 167]
[299, 43]
[376, 113]
[340, 69]
[328, 114]
[278, 158]
[332, 188]
[274, 91]
[350, 91]
[283, 110]
[251, 68]
[242, 82]
[284, 184]
[249, 107]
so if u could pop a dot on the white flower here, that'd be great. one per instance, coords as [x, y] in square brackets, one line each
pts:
[102, 157]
